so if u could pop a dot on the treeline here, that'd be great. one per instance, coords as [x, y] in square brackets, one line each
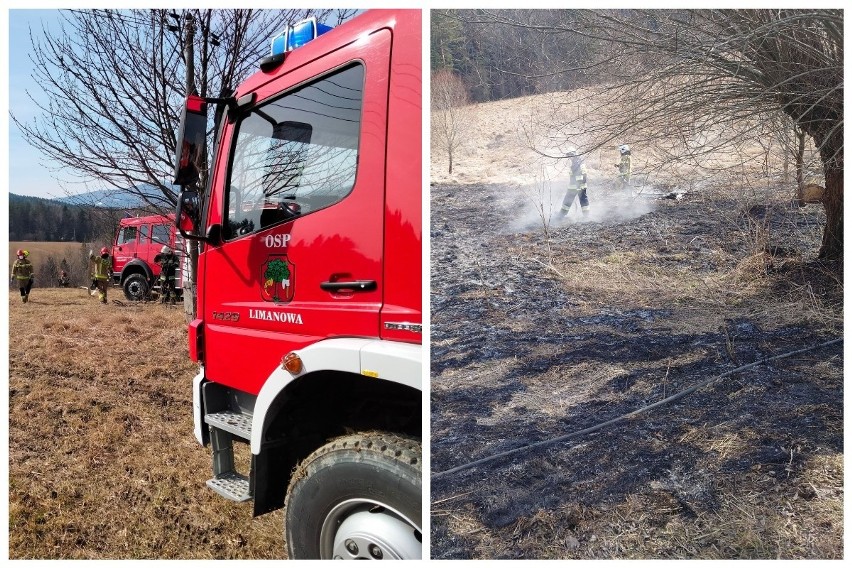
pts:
[45, 220]
[502, 54]
[72, 259]
[77, 269]
[499, 61]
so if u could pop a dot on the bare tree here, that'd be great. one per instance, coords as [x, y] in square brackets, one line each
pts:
[449, 96]
[704, 80]
[114, 82]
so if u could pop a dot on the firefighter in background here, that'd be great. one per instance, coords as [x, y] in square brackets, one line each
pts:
[624, 167]
[102, 272]
[64, 282]
[23, 272]
[168, 260]
[576, 184]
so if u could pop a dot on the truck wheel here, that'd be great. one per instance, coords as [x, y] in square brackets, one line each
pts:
[136, 288]
[357, 497]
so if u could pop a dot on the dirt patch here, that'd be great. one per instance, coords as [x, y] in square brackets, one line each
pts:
[540, 329]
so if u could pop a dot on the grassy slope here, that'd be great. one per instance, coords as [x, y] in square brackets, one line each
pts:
[39, 250]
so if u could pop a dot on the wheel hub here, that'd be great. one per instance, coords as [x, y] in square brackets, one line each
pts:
[366, 530]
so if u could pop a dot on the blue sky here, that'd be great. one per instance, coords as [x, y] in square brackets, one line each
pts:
[29, 173]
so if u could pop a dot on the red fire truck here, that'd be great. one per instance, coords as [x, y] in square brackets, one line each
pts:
[138, 241]
[309, 287]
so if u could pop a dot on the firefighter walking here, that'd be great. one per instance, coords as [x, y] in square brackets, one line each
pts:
[23, 272]
[168, 260]
[576, 184]
[625, 167]
[102, 272]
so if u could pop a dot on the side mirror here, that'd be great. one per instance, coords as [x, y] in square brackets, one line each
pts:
[187, 215]
[214, 234]
[190, 141]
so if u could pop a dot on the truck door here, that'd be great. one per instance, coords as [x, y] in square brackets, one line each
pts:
[125, 248]
[162, 234]
[301, 175]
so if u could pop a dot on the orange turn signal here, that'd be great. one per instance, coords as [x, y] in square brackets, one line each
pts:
[292, 363]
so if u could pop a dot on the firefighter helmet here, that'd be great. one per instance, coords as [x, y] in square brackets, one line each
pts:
[104, 251]
[624, 149]
[21, 252]
[165, 250]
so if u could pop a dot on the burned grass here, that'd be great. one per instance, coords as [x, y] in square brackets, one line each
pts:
[103, 463]
[537, 334]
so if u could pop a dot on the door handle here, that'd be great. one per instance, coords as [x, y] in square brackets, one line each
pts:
[353, 285]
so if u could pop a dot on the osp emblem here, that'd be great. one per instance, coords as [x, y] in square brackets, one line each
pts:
[278, 276]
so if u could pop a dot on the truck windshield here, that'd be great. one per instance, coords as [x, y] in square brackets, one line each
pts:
[296, 154]
[126, 235]
[162, 234]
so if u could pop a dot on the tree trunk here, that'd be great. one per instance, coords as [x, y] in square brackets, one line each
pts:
[832, 237]
[800, 167]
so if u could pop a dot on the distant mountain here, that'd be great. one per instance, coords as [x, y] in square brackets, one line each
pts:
[15, 198]
[114, 199]
[80, 217]
[39, 219]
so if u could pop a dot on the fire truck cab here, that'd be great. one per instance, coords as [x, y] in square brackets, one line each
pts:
[309, 285]
[137, 244]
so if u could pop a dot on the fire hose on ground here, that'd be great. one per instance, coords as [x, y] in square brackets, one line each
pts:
[631, 414]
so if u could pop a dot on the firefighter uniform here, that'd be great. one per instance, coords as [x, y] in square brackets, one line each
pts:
[169, 262]
[624, 167]
[576, 185]
[102, 273]
[23, 272]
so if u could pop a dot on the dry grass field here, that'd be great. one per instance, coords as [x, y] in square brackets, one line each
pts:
[39, 251]
[44, 249]
[102, 459]
[74, 254]
[542, 327]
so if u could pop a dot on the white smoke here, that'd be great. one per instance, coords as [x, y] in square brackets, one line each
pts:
[543, 201]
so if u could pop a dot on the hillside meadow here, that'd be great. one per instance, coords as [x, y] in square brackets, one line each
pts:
[39, 251]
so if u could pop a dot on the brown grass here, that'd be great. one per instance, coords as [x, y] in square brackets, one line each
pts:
[659, 274]
[748, 468]
[103, 463]
[708, 480]
[39, 251]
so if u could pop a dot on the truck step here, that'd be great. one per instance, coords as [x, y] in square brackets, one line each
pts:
[231, 485]
[232, 422]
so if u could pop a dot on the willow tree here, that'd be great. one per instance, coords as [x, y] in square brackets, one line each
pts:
[721, 75]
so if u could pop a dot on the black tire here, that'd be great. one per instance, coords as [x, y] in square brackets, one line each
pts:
[364, 486]
[136, 287]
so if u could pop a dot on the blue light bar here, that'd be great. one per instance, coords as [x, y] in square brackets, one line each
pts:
[297, 35]
[304, 31]
[279, 43]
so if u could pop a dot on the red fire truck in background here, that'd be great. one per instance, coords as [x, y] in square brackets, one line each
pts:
[309, 285]
[137, 243]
